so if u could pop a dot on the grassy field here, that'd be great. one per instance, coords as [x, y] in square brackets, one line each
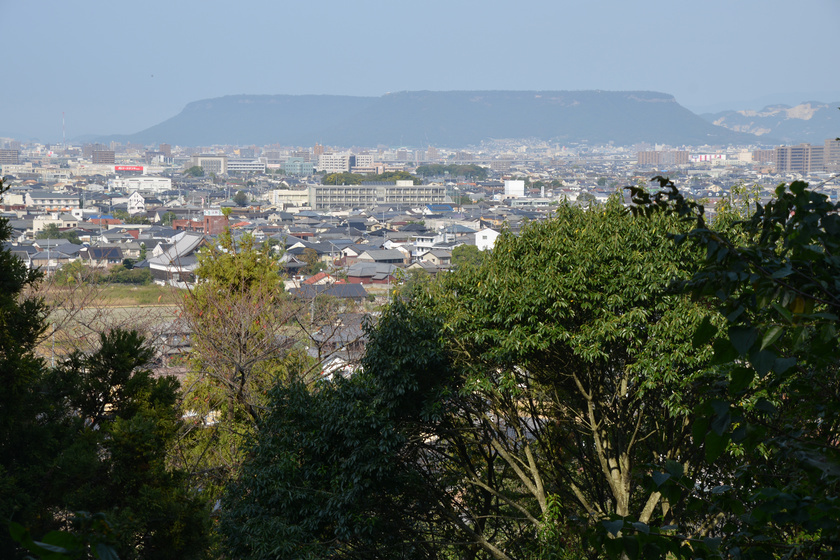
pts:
[114, 295]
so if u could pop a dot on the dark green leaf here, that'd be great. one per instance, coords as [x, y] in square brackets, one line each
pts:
[740, 379]
[742, 338]
[613, 527]
[715, 445]
[704, 333]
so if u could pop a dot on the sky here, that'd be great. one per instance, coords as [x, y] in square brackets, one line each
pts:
[115, 67]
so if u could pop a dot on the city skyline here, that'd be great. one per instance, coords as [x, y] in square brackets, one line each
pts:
[116, 69]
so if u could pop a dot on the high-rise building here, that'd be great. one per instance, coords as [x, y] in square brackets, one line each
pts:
[166, 149]
[103, 157]
[663, 157]
[9, 157]
[803, 159]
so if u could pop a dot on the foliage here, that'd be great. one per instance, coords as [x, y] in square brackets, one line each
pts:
[51, 231]
[393, 176]
[166, 218]
[194, 171]
[77, 273]
[515, 398]
[471, 171]
[331, 474]
[127, 218]
[466, 255]
[342, 179]
[775, 403]
[240, 198]
[243, 342]
[93, 437]
[312, 260]
[89, 538]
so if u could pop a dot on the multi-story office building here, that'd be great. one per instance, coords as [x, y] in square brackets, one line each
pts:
[764, 156]
[245, 166]
[368, 195]
[9, 157]
[297, 166]
[103, 157]
[210, 163]
[663, 157]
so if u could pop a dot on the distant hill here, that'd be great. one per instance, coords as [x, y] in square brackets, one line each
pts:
[812, 122]
[447, 119]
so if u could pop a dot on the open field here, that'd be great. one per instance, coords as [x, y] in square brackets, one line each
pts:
[113, 295]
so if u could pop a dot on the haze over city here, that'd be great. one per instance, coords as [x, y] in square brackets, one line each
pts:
[115, 68]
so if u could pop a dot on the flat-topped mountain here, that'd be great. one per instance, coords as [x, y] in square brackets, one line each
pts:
[447, 119]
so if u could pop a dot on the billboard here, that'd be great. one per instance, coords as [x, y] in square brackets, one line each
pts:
[128, 168]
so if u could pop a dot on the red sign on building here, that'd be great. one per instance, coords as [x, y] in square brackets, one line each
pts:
[128, 168]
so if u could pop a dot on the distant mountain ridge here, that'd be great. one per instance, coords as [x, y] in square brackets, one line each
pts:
[446, 119]
[811, 122]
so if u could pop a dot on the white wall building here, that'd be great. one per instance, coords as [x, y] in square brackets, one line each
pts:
[515, 188]
[485, 239]
[142, 183]
[333, 163]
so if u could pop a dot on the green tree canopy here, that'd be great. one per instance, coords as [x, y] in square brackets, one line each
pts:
[517, 398]
[471, 171]
[89, 435]
[773, 406]
[240, 198]
[244, 340]
[51, 231]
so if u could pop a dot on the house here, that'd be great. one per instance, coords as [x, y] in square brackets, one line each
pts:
[372, 273]
[383, 256]
[320, 279]
[354, 292]
[101, 257]
[438, 257]
[485, 239]
[50, 261]
[176, 264]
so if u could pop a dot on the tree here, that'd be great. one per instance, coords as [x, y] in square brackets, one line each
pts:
[244, 341]
[88, 435]
[240, 198]
[51, 231]
[342, 179]
[517, 398]
[312, 260]
[166, 218]
[773, 407]
[466, 255]
[194, 171]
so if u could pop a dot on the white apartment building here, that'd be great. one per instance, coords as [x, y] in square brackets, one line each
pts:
[401, 194]
[333, 163]
[142, 183]
[515, 188]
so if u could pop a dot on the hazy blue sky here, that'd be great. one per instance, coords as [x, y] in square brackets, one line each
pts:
[119, 67]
